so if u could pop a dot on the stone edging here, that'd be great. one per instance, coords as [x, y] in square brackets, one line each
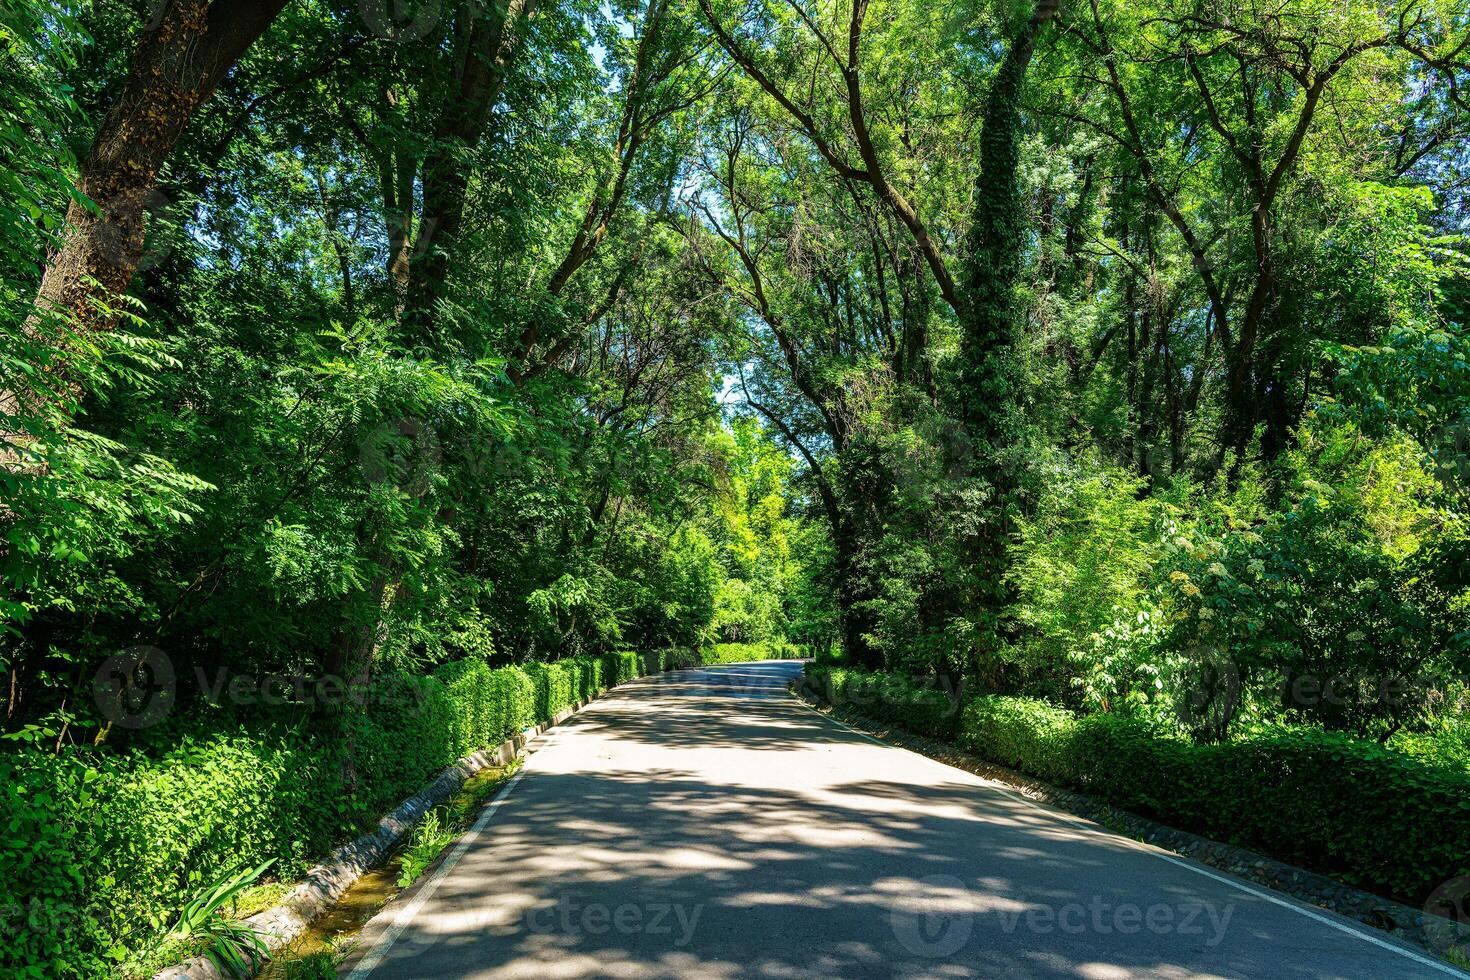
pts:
[1429, 932]
[324, 884]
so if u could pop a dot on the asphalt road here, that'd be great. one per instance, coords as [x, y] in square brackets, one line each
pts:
[706, 824]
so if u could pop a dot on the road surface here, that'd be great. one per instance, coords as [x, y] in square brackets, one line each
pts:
[706, 824]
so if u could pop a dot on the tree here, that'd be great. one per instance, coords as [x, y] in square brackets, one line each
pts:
[183, 53]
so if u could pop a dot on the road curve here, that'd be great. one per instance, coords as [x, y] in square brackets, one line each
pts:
[706, 824]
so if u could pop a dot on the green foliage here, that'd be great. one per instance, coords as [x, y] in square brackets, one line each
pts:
[1024, 733]
[1207, 608]
[104, 847]
[928, 707]
[687, 585]
[739, 653]
[233, 947]
[1323, 609]
[38, 42]
[430, 836]
[1447, 744]
[321, 965]
[753, 534]
[1082, 560]
[76, 505]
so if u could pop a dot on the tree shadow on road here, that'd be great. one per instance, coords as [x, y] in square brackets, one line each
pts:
[681, 872]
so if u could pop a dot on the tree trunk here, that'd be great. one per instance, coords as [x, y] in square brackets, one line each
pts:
[855, 621]
[482, 54]
[182, 56]
[991, 324]
[481, 59]
[397, 171]
[1151, 344]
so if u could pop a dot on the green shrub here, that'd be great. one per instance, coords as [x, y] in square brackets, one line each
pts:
[1352, 808]
[739, 653]
[1450, 745]
[1083, 554]
[1371, 815]
[830, 655]
[923, 708]
[1135, 764]
[675, 658]
[101, 848]
[1022, 733]
[1315, 618]
[434, 832]
[626, 665]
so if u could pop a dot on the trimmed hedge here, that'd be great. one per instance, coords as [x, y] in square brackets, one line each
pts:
[676, 658]
[101, 849]
[1024, 734]
[1369, 815]
[739, 653]
[923, 708]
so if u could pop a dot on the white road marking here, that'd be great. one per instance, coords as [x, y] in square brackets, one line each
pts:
[405, 913]
[1161, 855]
[403, 916]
